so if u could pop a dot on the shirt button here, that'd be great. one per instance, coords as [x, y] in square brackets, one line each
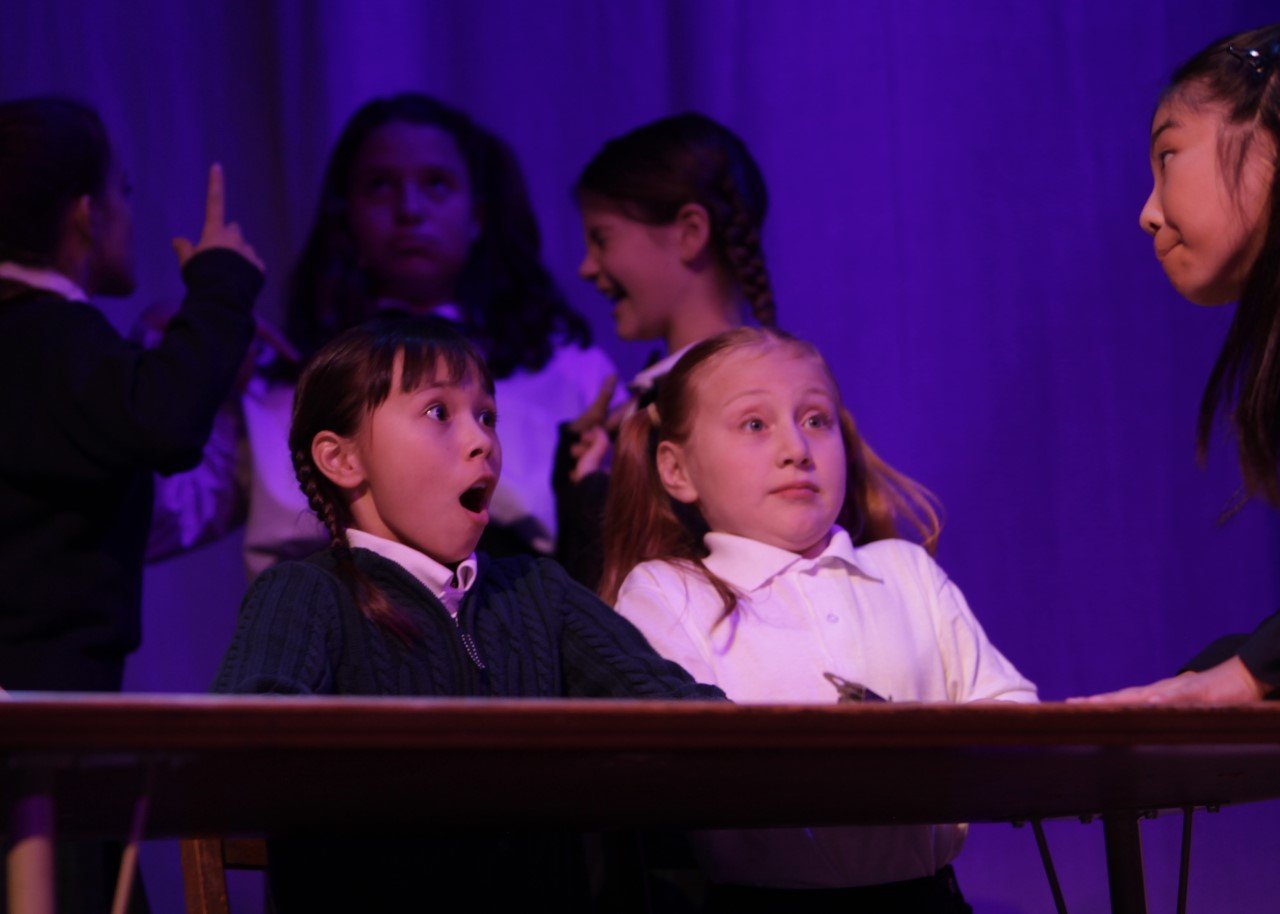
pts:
[832, 617]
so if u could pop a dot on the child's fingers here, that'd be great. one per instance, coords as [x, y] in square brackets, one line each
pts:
[591, 459]
[594, 414]
[184, 249]
[245, 250]
[215, 205]
[230, 236]
[613, 421]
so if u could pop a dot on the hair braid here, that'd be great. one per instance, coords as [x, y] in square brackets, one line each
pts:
[654, 170]
[745, 255]
[372, 601]
[644, 522]
[317, 502]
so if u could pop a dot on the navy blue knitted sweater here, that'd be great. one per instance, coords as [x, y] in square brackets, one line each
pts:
[88, 418]
[537, 634]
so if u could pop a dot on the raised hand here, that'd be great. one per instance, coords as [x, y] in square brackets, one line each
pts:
[598, 411]
[216, 232]
[592, 446]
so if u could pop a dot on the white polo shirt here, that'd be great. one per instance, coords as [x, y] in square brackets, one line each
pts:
[884, 615]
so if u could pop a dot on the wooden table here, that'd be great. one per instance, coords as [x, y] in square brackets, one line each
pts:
[77, 765]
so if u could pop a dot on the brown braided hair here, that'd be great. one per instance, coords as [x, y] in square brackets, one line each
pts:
[642, 522]
[341, 386]
[654, 170]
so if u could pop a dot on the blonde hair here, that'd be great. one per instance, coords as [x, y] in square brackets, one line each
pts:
[642, 522]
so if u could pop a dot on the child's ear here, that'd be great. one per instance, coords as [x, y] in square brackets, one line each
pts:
[336, 457]
[693, 231]
[81, 219]
[672, 470]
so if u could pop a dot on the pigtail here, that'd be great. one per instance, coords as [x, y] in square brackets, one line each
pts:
[641, 521]
[879, 501]
[744, 254]
[373, 603]
[339, 389]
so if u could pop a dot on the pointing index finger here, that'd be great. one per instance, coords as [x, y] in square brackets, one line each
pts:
[215, 207]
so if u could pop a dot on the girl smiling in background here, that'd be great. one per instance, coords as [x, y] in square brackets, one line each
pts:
[672, 213]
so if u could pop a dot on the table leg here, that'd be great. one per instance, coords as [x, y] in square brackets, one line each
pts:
[1124, 863]
[30, 856]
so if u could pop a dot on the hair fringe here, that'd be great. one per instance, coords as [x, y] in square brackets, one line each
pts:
[341, 385]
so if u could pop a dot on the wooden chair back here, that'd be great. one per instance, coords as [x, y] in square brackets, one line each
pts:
[205, 862]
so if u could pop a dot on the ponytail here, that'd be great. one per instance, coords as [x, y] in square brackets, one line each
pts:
[643, 522]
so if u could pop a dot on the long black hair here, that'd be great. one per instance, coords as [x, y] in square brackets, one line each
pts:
[511, 306]
[52, 152]
[1242, 72]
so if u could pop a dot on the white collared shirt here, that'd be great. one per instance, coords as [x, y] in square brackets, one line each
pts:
[644, 380]
[449, 586]
[38, 278]
[882, 615]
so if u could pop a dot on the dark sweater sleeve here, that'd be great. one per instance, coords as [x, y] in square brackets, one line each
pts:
[605, 656]
[1260, 652]
[289, 634]
[128, 407]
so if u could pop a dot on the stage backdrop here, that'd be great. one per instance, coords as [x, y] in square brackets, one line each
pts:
[955, 191]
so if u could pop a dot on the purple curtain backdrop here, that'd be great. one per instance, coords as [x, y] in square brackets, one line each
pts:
[955, 191]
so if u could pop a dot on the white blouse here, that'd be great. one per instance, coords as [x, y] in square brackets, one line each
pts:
[883, 615]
